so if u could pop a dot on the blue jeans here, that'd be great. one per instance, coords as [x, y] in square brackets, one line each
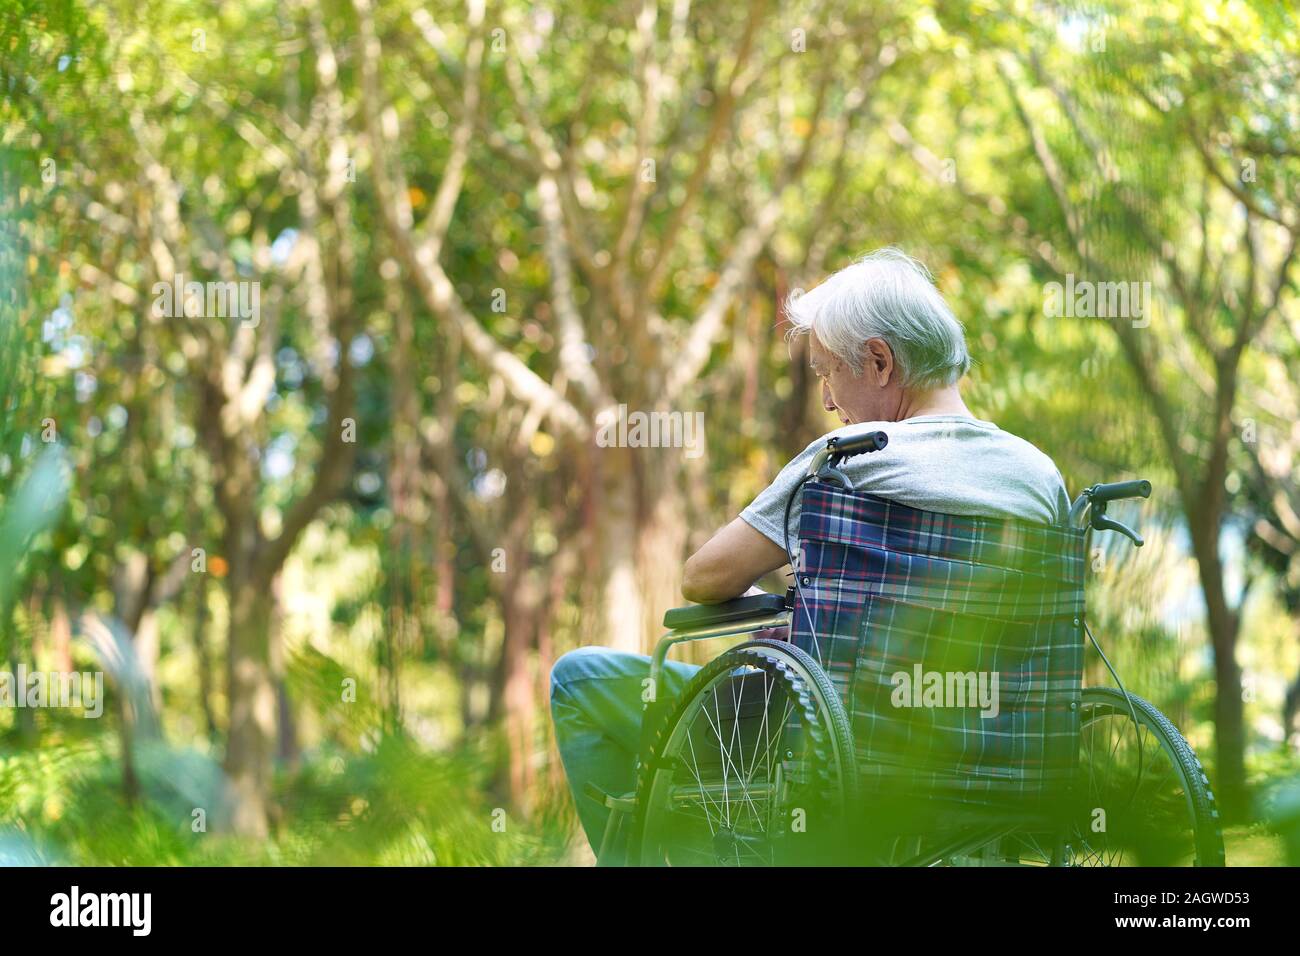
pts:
[596, 706]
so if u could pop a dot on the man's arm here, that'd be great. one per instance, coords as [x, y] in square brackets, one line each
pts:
[729, 563]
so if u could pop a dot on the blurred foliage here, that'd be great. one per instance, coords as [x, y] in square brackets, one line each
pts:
[395, 805]
[232, 142]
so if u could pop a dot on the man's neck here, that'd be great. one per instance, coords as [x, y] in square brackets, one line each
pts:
[939, 401]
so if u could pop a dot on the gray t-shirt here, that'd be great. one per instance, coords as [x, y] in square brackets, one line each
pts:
[951, 464]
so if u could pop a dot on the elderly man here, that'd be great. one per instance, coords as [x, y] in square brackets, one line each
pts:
[890, 354]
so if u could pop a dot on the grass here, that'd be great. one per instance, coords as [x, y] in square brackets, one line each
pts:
[63, 804]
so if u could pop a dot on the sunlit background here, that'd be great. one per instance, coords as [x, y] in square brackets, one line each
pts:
[326, 540]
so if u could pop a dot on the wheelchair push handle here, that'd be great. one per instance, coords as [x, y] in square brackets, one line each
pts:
[1118, 490]
[857, 444]
[1100, 495]
[825, 464]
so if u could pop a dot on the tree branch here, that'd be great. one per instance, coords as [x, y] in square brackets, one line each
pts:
[430, 280]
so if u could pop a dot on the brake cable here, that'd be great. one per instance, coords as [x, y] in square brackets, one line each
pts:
[1137, 727]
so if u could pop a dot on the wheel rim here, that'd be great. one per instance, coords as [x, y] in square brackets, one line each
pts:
[1145, 796]
[733, 766]
[1150, 819]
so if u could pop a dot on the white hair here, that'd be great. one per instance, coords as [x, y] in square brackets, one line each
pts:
[887, 295]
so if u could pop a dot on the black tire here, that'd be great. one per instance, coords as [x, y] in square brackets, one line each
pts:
[820, 779]
[1188, 789]
[1164, 816]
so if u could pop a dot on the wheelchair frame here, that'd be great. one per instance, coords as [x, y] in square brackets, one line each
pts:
[1092, 501]
[624, 807]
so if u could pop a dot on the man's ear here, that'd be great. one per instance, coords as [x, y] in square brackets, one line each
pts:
[878, 361]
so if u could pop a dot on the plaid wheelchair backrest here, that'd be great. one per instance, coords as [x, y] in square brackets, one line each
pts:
[954, 641]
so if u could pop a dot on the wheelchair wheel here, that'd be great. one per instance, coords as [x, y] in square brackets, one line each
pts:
[1166, 816]
[1146, 800]
[753, 765]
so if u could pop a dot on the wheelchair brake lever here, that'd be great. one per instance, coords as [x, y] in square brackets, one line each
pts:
[831, 474]
[1102, 523]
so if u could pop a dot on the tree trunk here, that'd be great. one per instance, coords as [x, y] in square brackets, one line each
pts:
[130, 781]
[622, 599]
[560, 574]
[60, 627]
[520, 610]
[286, 750]
[404, 590]
[251, 694]
[24, 719]
[795, 410]
[1290, 707]
[1229, 711]
[661, 541]
[202, 656]
[513, 704]
[148, 648]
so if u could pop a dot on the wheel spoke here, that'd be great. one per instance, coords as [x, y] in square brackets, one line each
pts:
[722, 781]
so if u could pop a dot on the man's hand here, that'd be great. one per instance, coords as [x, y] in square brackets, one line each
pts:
[729, 562]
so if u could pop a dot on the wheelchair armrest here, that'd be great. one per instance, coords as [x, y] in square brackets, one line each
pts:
[705, 615]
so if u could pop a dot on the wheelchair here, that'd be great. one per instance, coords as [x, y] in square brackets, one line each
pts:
[783, 750]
